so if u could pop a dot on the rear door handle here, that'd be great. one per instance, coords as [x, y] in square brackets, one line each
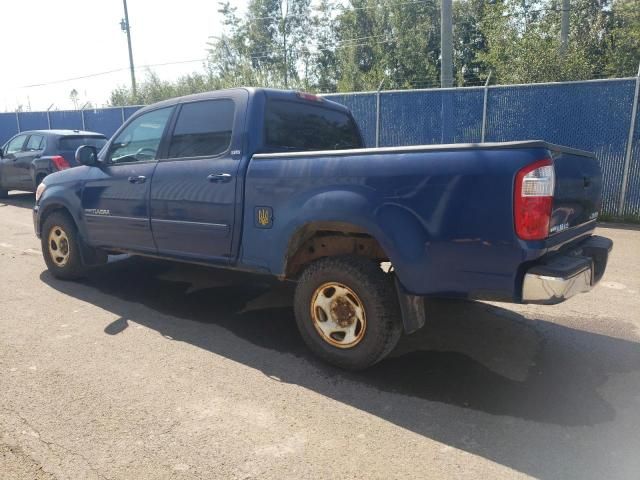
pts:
[138, 179]
[219, 177]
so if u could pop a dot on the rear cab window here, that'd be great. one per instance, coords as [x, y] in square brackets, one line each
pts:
[202, 129]
[295, 125]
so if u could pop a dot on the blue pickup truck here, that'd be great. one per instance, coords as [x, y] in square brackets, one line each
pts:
[279, 182]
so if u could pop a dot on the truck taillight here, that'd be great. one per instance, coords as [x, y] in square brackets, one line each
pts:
[60, 162]
[533, 199]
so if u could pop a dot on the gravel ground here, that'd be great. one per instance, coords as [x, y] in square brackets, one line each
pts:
[149, 369]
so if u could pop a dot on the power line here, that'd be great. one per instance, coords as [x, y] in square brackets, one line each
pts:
[338, 45]
[264, 54]
[347, 43]
[108, 72]
[344, 9]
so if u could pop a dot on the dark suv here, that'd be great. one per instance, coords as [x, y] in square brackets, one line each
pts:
[30, 156]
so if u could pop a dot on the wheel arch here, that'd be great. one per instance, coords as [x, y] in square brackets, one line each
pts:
[317, 239]
[90, 255]
[46, 211]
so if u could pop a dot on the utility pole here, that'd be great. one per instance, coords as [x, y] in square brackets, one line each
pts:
[446, 44]
[124, 25]
[564, 28]
[284, 16]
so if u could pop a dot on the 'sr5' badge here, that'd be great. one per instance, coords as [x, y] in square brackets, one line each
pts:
[263, 217]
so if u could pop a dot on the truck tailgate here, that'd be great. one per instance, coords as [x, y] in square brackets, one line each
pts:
[578, 189]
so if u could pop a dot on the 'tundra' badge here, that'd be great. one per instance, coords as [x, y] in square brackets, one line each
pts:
[263, 217]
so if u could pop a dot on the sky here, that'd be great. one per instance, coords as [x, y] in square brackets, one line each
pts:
[44, 41]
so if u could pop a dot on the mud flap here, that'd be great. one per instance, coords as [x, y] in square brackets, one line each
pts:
[91, 257]
[411, 308]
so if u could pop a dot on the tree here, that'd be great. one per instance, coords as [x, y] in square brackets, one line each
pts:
[523, 45]
[153, 89]
[331, 48]
[469, 42]
[623, 48]
[324, 70]
[269, 47]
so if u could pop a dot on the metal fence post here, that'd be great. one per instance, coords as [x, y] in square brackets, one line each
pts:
[627, 156]
[49, 116]
[378, 113]
[82, 115]
[18, 120]
[484, 108]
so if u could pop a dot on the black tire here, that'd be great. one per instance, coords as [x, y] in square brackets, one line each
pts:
[73, 267]
[374, 289]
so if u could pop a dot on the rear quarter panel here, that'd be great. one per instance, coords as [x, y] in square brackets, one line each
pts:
[444, 218]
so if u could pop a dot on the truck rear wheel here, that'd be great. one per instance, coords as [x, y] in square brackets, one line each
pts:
[347, 311]
[60, 247]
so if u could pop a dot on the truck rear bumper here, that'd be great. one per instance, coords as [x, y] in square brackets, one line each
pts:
[561, 276]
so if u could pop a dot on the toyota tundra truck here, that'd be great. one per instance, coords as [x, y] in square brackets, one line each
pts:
[280, 183]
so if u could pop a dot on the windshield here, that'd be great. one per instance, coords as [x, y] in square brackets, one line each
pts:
[72, 143]
[299, 126]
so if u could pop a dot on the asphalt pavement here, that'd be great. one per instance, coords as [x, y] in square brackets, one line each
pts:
[152, 369]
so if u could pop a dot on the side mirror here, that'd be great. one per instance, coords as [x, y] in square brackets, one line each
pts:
[87, 155]
[1, 152]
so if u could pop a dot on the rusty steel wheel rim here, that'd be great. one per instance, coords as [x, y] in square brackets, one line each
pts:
[338, 315]
[58, 246]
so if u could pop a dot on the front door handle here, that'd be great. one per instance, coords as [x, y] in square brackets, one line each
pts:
[219, 177]
[138, 179]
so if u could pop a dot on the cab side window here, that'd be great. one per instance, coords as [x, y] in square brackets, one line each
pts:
[203, 129]
[15, 145]
[35, 143]
[140, 140]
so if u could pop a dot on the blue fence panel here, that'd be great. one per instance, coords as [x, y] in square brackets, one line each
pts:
[593, 116]
[363, 107]
[431, 117]
[8, 126]
[67, 119]
[128, 111]
[632, 199]
[33, 121]
[105, 121]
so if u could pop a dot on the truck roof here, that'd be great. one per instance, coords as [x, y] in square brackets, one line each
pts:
[269, 92]
[63, 133]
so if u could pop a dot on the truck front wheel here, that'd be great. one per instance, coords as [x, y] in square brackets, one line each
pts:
[347, 311]
[60, 247]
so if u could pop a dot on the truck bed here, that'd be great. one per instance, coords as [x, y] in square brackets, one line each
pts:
[443, 213]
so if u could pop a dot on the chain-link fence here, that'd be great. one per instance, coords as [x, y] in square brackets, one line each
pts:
[594, 115]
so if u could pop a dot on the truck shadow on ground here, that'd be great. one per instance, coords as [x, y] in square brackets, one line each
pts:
[466, 379]
[19, 199]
